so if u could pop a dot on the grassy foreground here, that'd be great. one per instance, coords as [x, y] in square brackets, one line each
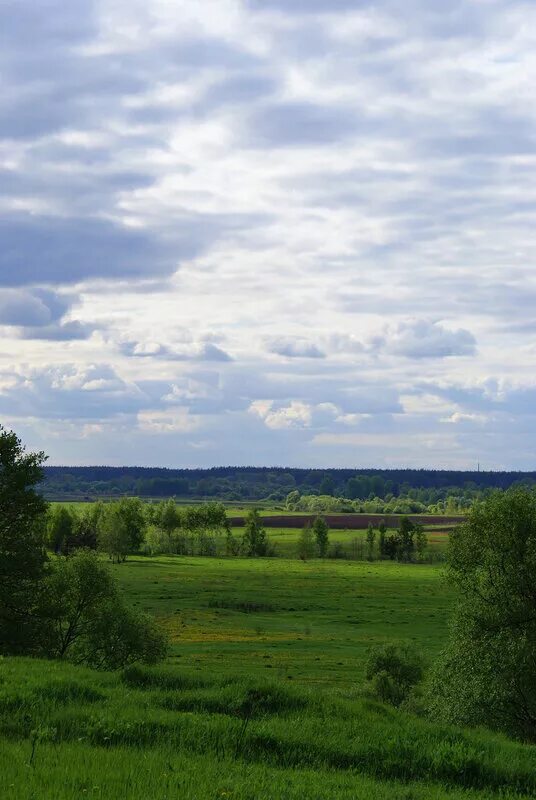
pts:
[166, 733]
[261, 697]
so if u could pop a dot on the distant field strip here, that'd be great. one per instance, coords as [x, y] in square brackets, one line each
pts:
[357, 522]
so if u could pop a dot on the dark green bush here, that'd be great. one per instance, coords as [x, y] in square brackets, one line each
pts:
[392, 671]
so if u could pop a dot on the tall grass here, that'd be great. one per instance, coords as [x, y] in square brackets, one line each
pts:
[148, 716]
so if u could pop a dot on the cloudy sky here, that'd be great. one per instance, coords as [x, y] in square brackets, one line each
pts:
[281, 232]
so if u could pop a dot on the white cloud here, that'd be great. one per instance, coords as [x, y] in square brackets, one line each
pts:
[296, 415]
[171, 420]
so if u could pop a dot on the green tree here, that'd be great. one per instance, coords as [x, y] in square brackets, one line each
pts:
[321, 535]
[22, 554]
[421, 542]
[371, 538]
[113, 535]
[306, 544]
[232, 544]
[131, 511]
[86, 526]
[85, 620]
[168, 516]
[254, 540]
[59, 529]
[487, 673]
[293, 499]
[382, 531]
[405, 539]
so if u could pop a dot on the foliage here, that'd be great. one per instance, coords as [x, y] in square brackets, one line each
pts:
[85, 620]
[22, 555]
[392, 671]
[487, 673]
[157, 541]
[321, 534]
[86, 526]
[113, 535]
[306, 544]
[382, 533]
[371, 538]
[254, 540]
[59, 528]
[167, 516]
[403, 543]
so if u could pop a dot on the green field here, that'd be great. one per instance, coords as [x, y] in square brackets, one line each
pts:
[293, 636]
[318, 620]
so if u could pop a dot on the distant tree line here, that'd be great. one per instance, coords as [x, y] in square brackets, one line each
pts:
[402, 504]
[251, 483]
[127, 526]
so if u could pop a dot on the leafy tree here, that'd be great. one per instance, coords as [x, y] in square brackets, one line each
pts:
[293, 498]
[131, 511]
[487, 673]
[401, 544]
[382, 531]
[232, 544]
[306, 544]
[168, 516]
[59, 529]
[321, 535]
[157, 541]
[86, 526]
[405, 540]
[254, 540]
[392, 671]
[371, 538]
[113, 534]
[22, 555]
[421, 542]
[85, 619]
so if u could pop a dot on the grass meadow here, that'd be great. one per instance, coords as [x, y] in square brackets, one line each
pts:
[261, 696]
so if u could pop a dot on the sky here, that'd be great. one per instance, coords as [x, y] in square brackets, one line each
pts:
[269, 232]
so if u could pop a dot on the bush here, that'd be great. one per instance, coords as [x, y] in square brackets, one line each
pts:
[392, 671]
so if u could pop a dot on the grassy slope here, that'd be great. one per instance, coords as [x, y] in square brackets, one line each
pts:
[173, 732]
[170, 733]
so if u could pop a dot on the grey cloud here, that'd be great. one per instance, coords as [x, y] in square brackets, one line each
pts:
[423, 339]
[210, 352]
[489, 396]
[63, 332]
[292, 347]
[81, 189]
[239, 89]
[209, 53]
[70, 392]
[39, 313]
[34, 307]
[61, 250]
[298, 124]
[309, 6]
